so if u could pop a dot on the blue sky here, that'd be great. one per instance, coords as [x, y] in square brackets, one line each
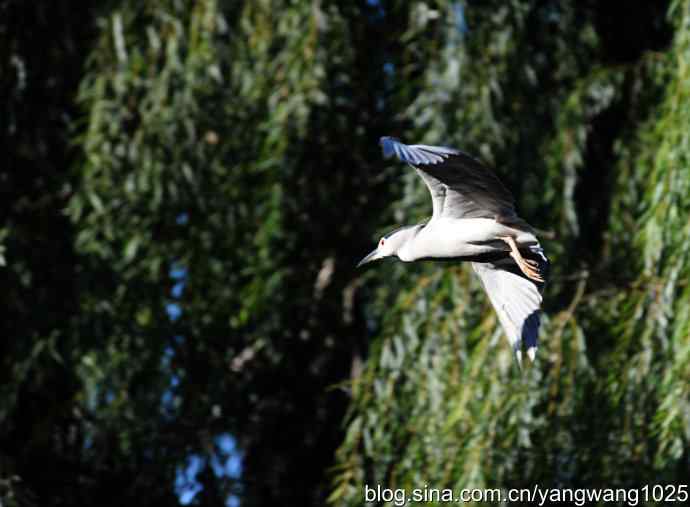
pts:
[226, 460]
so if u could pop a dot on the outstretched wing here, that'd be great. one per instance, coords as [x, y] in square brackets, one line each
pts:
[460, 186]
[516, 299]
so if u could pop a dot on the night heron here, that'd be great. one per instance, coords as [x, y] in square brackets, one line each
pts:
[473, 220]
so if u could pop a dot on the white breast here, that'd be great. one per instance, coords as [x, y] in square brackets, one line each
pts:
[461, 237]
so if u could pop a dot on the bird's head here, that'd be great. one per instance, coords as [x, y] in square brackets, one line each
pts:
[389, 245]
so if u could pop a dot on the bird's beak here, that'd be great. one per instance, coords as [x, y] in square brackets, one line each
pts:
[371, 257]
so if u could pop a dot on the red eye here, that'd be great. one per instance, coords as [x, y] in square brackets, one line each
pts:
[382, 242]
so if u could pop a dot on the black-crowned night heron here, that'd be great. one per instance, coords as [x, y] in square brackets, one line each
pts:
[473, 220]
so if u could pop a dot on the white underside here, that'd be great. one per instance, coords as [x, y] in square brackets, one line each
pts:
[461, 237]
[517, 301]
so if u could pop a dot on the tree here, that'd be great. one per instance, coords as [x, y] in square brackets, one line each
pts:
[192, 183]
[584, 116]
[210, 157]
[43, 47]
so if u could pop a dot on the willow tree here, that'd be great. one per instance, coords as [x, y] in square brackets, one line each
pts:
[182, 228]
[211, 248]
[584, 115]
[211, 152]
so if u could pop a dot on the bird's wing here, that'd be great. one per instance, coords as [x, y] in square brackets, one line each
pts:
[515, 298]
[460, 186]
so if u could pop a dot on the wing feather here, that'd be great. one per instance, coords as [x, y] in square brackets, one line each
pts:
[460, 186]
[515, 298]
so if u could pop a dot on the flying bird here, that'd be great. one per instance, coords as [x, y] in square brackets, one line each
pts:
[473, 220]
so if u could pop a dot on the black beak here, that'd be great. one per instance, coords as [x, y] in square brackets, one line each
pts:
[368, 258]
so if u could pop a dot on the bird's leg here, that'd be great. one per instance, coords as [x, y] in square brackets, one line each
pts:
[529, 267]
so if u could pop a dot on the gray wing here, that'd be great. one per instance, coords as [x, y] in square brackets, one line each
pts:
[516, 299]
[460, 186]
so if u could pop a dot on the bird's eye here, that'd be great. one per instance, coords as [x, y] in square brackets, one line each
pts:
[382, 242]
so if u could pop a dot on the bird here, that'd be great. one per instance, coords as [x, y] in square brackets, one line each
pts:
[473, 220]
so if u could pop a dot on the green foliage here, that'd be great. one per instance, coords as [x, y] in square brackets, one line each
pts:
[212, 148]
[221, 157]
[596, 149]
[659, 321]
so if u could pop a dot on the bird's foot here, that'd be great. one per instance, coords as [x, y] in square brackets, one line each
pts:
[529, 267]
[526, 267]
